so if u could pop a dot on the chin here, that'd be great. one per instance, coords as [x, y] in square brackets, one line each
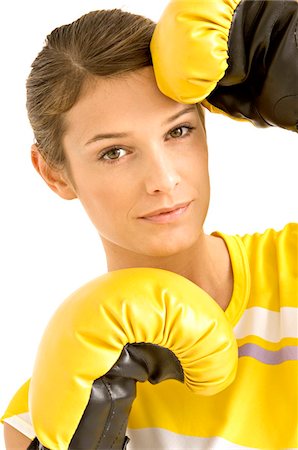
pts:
[167, 247]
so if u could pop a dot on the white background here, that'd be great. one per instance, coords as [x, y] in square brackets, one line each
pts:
[48, 248]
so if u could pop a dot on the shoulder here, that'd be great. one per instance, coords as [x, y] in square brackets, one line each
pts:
[273, 261]
[274, 251]
[285, 239]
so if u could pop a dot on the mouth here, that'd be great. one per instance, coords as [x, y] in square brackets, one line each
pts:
[167, 215]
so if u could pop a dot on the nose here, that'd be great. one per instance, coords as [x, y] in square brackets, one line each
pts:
[160, 172]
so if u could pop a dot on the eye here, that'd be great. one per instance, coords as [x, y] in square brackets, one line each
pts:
[112, 155]
[181, 131]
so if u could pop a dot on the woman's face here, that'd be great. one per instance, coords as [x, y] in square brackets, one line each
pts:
[138, 163]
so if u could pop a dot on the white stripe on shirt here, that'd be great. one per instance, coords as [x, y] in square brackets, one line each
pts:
[269, 325]
[160, 439]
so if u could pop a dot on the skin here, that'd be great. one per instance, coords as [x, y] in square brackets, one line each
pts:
[14, 440]
[160, 160]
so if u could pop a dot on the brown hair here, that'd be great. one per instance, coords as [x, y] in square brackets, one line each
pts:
[100, 43]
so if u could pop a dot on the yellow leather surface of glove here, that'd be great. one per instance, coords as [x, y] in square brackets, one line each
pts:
[236, 57]
[188, 69]
[89, 330]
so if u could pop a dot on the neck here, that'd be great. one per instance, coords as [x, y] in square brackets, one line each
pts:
[207, 264]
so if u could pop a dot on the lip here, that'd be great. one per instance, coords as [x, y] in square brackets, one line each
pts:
[166, 215]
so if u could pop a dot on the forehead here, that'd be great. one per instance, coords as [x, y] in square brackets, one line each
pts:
[119, 100]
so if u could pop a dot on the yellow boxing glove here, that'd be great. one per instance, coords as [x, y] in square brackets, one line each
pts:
[237, 57]
[126, 326]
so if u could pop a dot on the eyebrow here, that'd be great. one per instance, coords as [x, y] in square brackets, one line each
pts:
[183, 111]
[99, 137]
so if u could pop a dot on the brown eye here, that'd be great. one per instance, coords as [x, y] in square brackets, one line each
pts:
[177, 132]
[113, 154]
[180, 132]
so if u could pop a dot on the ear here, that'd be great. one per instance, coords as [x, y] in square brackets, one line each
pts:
[56, 179]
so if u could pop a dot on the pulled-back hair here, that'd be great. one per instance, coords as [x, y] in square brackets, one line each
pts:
[100, 43]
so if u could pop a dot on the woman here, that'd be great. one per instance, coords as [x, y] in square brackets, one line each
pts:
[140, 170]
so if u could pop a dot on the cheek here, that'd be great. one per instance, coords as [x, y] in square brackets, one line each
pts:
[198, 179]
[195, 167]
[105, 201]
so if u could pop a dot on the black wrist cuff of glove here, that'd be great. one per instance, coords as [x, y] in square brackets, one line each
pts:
[104, 422]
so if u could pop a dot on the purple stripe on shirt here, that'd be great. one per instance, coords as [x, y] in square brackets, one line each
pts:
[287, 353]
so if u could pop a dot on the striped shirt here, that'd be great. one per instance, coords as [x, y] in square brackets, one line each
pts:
[259, 409]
